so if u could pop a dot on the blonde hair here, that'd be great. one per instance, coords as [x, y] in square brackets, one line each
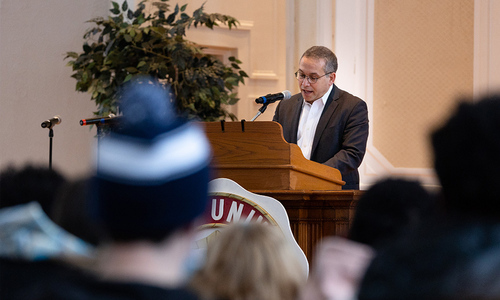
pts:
[249, 262]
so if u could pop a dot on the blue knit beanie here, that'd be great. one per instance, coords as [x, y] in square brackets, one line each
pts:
[152, 173]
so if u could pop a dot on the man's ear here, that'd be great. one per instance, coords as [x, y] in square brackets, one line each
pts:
[331, 77]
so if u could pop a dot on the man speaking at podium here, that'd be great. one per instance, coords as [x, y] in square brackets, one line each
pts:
[328, 124]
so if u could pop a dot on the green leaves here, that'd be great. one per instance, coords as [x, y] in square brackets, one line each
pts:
[132, 42]
[116, 8]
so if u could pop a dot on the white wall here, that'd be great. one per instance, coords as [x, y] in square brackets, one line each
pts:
[35, 83]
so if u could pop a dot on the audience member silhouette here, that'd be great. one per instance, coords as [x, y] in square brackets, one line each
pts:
[247, 262]
[457, 257]
[70, 210]
[391, 208]
[148, 195]
[34, 250]
[29, 183]
[453, 261]
[466, 159]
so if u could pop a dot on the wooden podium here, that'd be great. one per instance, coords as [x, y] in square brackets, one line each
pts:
[257, 157]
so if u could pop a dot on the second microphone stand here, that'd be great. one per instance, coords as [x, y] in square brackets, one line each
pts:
[51, 135]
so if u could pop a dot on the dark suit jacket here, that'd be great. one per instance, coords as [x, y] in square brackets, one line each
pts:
[341, 134]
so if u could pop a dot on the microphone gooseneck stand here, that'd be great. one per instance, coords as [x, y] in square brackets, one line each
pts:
[260, 112]
[268, 99]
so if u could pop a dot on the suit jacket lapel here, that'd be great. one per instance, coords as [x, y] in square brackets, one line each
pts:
[330, 106]
[297, 109]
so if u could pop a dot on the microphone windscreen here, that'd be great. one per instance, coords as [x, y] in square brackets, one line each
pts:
[287, 95]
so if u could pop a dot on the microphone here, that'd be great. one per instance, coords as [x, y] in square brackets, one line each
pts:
[271, 98]
[111, 118]
[51, 122]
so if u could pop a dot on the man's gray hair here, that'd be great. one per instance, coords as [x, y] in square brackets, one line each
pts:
[321, 52]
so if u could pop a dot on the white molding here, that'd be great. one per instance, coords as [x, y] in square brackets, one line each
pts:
[351, 46]
[244, 25]
[290, 44]
[324, 23]
[481, 67]
[264, 75]
[376, 166]
[486, 48]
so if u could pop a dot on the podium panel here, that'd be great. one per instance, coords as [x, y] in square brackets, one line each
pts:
[316, 214]
[256, 156]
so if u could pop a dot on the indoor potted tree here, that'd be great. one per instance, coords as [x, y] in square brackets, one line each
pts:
[136, 42]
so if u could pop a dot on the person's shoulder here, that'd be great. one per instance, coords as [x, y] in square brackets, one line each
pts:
[133, 290]
[349, 102]
[286, 106]
[296, 97]
[95, 288]
[22, 279]
[56, 280]
[424, 264]
[346, 96]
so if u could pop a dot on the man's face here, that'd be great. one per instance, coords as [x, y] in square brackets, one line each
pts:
[314, 68]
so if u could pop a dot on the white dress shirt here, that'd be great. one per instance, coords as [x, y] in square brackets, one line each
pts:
[308, 122]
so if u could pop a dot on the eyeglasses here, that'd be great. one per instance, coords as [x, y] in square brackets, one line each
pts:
[312, 80]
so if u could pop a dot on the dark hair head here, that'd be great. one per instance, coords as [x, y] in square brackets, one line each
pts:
[29, 183]
[321, 52]
[389, 209]
[71, 212]
[467, 160]
[153, 172]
